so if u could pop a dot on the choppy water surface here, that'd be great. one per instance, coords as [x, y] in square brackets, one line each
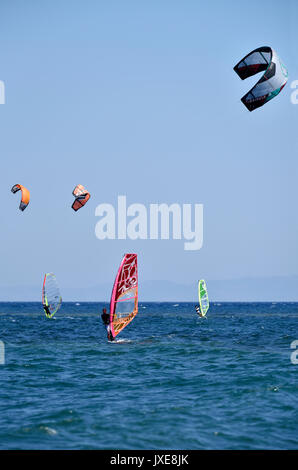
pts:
[171, 381]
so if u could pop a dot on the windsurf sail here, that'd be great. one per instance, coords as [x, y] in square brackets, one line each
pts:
[124, 298]
[51, 297]
[203, 297]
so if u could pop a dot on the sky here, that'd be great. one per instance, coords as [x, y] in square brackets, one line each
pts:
[140, 99]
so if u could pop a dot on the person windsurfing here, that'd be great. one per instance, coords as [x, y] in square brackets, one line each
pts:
[47, 310]
[198, 310]
[106, 321]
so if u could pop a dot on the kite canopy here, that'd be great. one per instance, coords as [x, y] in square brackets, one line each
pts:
[25, 195]
[124, 298]
[203, 297]
[270, 84]
[51, 297]
[82, 196]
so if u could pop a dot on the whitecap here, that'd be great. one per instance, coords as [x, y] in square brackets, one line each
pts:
[48, 430]
[121, 341]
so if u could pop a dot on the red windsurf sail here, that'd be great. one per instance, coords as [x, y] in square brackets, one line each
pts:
[124, 298]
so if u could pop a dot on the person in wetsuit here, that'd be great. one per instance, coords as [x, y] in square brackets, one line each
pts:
[105, 317]
[47, 310]
[106, 321]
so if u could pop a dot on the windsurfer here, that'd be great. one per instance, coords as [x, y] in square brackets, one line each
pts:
[198, 310]
[47, 310]
[106, 321]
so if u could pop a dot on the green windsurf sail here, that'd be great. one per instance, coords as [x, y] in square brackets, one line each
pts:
[203, 297]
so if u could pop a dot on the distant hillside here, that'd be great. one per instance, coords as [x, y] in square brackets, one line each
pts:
[262, 290]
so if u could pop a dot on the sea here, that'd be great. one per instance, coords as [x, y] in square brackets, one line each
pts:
[171, 380]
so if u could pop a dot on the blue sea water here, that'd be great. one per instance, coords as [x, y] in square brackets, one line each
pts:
[171, 381]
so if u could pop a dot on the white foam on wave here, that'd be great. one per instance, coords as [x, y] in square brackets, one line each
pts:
[117, 341]
[48, 430]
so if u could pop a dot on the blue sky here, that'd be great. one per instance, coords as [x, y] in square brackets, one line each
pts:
[140, 99]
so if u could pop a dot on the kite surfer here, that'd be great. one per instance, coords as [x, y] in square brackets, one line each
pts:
[106, 321]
